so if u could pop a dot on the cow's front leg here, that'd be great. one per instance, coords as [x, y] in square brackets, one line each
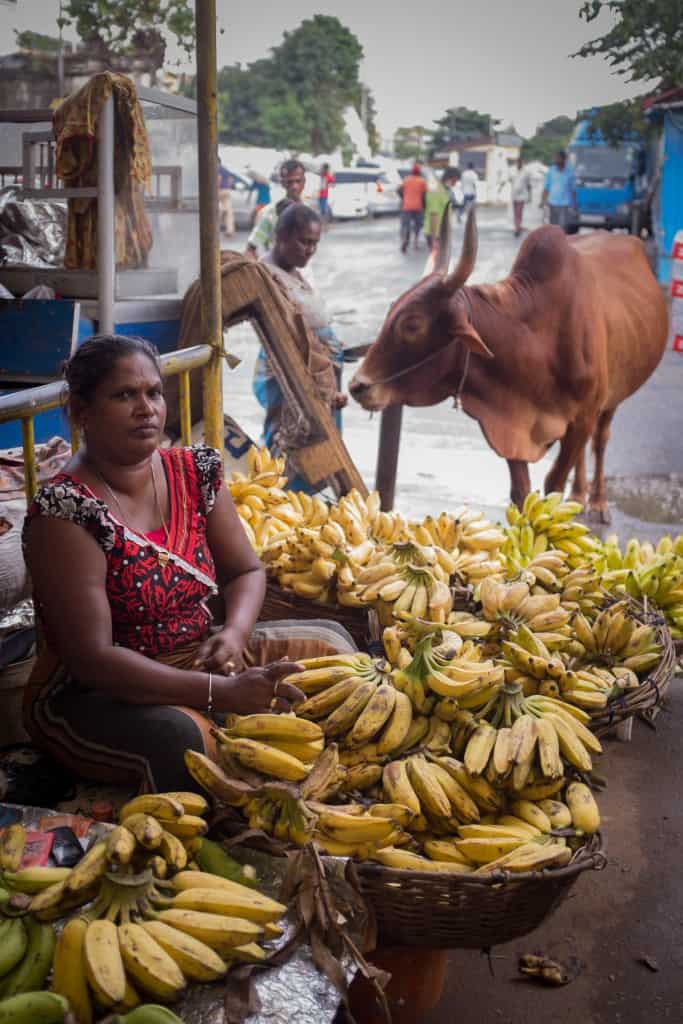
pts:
[520, 484]
[571, 446]
[579, 489]
[598, 509]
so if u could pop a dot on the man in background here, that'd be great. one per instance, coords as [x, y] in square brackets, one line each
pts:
[293, 180]
[521, 194]
[226, 218]
[436, 207]
[469, 186]
[559, 190]
[326, 180]
[412, 191]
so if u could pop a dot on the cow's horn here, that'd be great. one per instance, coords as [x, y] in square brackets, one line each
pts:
[468, 255]
[443, 258]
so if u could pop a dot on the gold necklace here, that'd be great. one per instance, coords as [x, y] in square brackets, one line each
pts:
[162, 556]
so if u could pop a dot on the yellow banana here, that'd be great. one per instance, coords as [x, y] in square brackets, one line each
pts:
[267, 727]
[146, 829]
[374, 715]
[196, 960]
[158, 805]
[392, 857]
[531, 813]
[582, 807]
[549, 750]
[398, 788]
[558, 813]
[216, 930]
[429, 790]
[265, 759]
[192, 803]
[324, 702]
[484, 850]
[150, 967]
[398, 725]
[242, 902]
[211, 777]
[12, 843]
[121, 845]
[69, 972]
[479, 748]
[189, 826]
[103, 964]
[361, 777]
[173, 851]
[343, 717]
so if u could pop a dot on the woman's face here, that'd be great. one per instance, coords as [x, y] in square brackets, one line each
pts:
[295, 250]
[124, 421]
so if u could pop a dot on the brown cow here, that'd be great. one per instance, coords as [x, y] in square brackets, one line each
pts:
[545, 355]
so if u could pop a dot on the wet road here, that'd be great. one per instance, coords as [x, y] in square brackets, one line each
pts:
[444, 460]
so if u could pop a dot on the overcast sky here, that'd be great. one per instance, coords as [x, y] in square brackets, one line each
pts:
[502, 57]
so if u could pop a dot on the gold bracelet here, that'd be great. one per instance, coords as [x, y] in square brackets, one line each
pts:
[209, 703]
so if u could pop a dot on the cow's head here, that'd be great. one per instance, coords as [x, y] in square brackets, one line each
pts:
[403, 365]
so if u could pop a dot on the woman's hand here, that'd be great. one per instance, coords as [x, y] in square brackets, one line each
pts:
[222, 651]
[260, 689]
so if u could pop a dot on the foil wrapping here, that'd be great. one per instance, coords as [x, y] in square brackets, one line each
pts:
[32, 231]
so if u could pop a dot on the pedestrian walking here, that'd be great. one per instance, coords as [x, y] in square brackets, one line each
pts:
[469, 186]
[436, 208]
[413, 191]
[326, 180]
[293, 180]
[262, 189]
[521, 194]
[559, 190]
[226, 218]
[458, 195]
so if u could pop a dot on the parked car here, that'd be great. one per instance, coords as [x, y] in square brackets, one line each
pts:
[386, 198]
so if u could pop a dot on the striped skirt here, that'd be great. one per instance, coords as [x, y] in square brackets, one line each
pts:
[142, 745]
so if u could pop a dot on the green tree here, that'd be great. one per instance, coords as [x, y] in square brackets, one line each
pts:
[411, 143]
[296, 97]
[366, 108]
[128, 25]
[460, 124]
[37, 41]
[646, 41]
[550, 136]
[318, 63]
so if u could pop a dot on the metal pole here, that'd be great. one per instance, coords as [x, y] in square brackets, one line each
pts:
[387, 455]
[210, 267]
[106, 263]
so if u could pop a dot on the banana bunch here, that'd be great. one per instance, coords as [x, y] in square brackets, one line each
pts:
[517, 740]
[389, 527]
[275, 746]
[262, 505]
[405, 579]
[511, 605]
[354, 514]
[583, 589]
[446, 666]
[617, 638]
[471, 541]
[548, 522]
[317, 563]
[645, 571]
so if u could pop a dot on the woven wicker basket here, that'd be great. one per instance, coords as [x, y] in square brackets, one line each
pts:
[416, 908]
[283, 604]
[642, 700]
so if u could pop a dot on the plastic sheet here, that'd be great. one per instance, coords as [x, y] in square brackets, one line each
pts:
[31, 230]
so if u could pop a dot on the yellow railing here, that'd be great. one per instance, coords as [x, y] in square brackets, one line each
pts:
[25, 405]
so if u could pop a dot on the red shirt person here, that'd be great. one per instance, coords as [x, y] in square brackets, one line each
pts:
[412, 191]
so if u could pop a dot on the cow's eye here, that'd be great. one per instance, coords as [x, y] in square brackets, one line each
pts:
[412, 329]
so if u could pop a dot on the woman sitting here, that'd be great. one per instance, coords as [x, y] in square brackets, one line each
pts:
[125, 548]
[297, 235]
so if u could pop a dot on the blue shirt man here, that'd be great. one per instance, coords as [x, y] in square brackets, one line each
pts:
[559, 190]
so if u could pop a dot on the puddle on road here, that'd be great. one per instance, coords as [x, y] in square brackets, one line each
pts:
[654, 499]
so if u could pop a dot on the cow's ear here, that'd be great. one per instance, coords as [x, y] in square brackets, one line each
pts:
[474, 342]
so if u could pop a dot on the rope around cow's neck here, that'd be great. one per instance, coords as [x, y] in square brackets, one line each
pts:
[457, 397]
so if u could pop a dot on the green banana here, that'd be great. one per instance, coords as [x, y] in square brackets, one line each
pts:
[30, 974]
[213, 859]
[34, 1008]
[13, 943]
[149, 1013]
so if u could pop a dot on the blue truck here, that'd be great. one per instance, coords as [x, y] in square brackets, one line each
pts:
[611, 180]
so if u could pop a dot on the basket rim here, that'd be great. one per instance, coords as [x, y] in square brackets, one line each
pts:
[591, 856]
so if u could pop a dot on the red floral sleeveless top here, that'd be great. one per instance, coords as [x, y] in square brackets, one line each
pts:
[157, 593]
